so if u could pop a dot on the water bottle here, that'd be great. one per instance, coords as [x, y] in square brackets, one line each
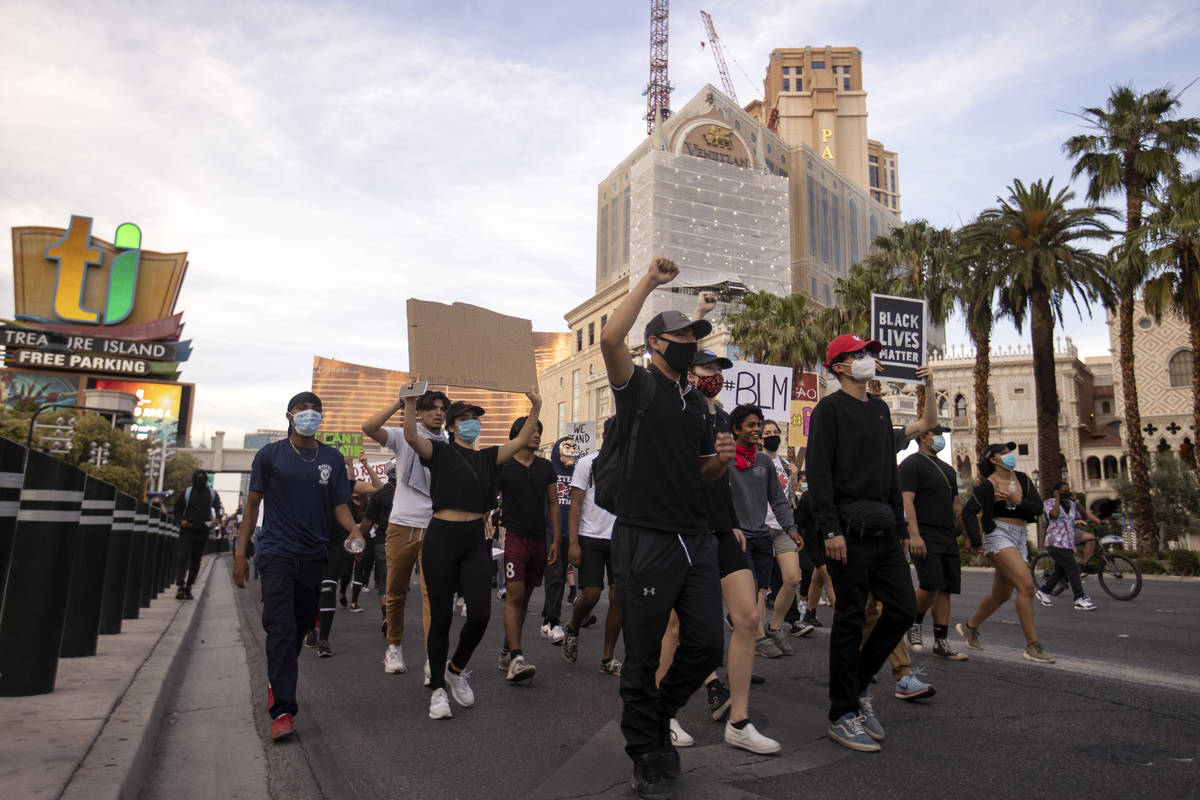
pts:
[353, 546]
[1012, 489]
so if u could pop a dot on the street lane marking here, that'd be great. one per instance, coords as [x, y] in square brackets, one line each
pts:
[1095, 669]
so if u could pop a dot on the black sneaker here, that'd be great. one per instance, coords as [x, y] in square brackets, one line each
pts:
[187, 593]
[718, 700]
[342, 600]
[668, 761]
[648, 781]
[179, 595]
[589, 622]
[323, 649]
[310, 639]
[756, 679]
[810, 618]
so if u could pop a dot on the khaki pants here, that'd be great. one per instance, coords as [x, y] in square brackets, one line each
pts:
[898, 658]
[403, 551]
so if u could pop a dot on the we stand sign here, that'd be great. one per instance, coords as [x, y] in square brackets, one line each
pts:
[900, 325]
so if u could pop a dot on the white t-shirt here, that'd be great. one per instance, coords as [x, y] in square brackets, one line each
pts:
[409, 507]
[786, 483]
[594, 521]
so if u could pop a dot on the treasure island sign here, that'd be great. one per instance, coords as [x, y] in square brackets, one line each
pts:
[711, 139]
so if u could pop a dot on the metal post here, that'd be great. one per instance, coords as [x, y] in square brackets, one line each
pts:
[88, 572]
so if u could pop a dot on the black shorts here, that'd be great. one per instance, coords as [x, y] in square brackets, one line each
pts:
[815, 549]
[760, 552]
[730, 557]
[595, 557]
[939, 572]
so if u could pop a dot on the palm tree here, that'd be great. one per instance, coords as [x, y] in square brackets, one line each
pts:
[1133, 148]
[1173, 229]
[1036, 240]
[778, 330]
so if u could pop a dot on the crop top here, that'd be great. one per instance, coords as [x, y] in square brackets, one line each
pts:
[462, 479]
[981, 510]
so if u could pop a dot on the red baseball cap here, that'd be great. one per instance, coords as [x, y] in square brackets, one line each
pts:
[848, 343]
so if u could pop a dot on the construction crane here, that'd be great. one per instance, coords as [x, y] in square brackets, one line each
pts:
[658, 91]
[719, 55]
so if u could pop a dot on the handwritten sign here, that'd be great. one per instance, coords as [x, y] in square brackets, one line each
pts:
[348, 443]
[762, 385]
[804, 400]
[584, 434]
[469, 346]
[899, 325]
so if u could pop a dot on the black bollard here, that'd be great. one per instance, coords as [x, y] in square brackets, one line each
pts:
[137, 566]
[141, 522]
[12, 471]
[155, 553]
[35, 595]
[88, 571]
[164, 552]
[116, 566]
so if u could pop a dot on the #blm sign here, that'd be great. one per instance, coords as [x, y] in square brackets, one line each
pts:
[762, 385]
[468, 346]
[899, 325]
[584, 436]
[804, 400]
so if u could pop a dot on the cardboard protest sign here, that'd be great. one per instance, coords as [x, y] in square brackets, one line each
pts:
[465, 345]
[348, 443]
[899, 324]
[804, 400]
[584, 434]
[759, 384]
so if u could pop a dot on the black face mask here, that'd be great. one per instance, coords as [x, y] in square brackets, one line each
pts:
[679, 355]
[771, 443]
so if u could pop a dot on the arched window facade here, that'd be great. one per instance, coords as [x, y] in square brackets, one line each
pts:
[960, 406]
[1179, 368]
[1110, 467]
[991, 405]
[943, 407]
[1093, 468]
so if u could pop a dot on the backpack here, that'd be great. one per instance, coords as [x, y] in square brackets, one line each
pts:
[613, 467]
[187, 500]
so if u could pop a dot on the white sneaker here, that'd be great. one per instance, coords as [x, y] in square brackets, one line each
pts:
[680, 737]
[428, 679]
[460, 690]
[393, 660]
[748, 738]
[439, 705]
[1084, 604]
[553, 633]
[1043, 598]
[519, 670]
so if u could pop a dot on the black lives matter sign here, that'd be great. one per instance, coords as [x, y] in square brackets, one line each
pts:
[899, 325]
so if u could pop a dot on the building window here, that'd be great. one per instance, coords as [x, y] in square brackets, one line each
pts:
[603, 322]
[892, 178]
[625, 228]
[578, 340]
[1019, 390]
[576, 395]
[613, 240]
[960, 407]
[787, 85]
[799, 85]
[1105, 407]
[1145, 323]
[1022, 449]
[845, 84]
[812, 288]
[786, 70]
[1179, 368]
[828, 295]
[591, 333]
[813, 232]
[562, 420]
[874, 229]
[825, 225]
[1110, 467]
[872, 159]
[837, 234]
[874, 171]
[603, 254]
[943, 407]
[853, 232]
[818, 65]
[991, 406]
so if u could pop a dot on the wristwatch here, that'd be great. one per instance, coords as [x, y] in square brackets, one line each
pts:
[832, 534]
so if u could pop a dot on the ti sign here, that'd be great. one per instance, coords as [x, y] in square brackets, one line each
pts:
[899, 325]
[74, 254]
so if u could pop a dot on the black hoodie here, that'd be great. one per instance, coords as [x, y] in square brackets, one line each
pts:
[564, 474]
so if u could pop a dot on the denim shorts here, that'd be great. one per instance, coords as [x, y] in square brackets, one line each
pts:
[1006, 535]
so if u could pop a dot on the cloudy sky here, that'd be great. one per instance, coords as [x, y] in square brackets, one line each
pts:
[321, 162]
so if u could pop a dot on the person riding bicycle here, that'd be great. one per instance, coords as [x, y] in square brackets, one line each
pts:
[1064, 515]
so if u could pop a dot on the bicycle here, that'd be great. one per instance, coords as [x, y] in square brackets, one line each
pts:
[1120, 576]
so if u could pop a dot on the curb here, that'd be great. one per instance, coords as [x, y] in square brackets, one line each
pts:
[117, 763]
[1145, 577]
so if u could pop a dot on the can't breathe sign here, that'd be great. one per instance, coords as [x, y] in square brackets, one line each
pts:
[899, 325]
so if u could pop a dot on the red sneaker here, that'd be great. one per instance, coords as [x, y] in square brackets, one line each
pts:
[281, 727]
[270, 697]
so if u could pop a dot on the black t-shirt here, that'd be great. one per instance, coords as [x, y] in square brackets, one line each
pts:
[718, 495]
[379, 506]
[665, 493]
[523, 495]
[934, 484]
[462, 479]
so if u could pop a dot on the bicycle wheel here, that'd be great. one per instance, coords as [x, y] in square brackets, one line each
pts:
[1120, 576]
[1042, 568]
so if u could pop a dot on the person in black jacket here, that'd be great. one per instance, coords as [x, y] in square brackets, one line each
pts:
[1003, 503]
[194, 510]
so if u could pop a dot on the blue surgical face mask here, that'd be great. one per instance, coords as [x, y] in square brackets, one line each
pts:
[804, 486]
[468, 430]
[306, 422]
[939, 443]
[1009, 461]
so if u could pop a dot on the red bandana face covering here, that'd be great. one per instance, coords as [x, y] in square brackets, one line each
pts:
[709, 385]
[746, 457]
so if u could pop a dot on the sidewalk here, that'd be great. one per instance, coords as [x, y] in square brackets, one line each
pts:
[93, 736]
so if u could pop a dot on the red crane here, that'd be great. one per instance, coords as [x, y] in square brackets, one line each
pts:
[658, 91]
[719, 55]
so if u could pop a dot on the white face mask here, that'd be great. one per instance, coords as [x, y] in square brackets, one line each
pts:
[863, 369]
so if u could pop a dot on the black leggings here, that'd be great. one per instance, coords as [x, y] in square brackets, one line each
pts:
[455, 556]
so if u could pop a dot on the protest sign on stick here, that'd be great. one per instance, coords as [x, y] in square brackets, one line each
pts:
[900, 326]
[469, 346]
[584, 435]
[762, 385]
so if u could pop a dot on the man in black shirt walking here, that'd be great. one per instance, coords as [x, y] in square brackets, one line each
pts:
[664, 555]
[857, 511]
[929, 487]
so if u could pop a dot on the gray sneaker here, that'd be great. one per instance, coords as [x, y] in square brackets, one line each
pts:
[766, 648]
[776, 635]
[942, 649]
[970, 635]
[870, 722]
[1036, 653]
[915, 642]
[848, 732]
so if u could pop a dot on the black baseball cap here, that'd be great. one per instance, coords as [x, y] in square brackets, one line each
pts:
[939, 429]
[460, 407]
[671, 321]
[709, 357]
[1002, 447]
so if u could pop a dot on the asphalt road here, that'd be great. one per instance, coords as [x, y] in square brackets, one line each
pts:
[1118, 714]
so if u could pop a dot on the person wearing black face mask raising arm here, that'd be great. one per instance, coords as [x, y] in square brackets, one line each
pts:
[664, 555]
[304, 485]
[1004, 502]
